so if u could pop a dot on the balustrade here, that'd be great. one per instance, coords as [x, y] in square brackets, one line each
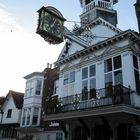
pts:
[98, 3]
[94, 98]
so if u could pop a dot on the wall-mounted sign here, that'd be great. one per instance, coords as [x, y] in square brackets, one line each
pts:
[50, 25]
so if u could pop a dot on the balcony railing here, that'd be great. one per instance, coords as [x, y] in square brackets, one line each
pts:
[98, 3]
[95, 98]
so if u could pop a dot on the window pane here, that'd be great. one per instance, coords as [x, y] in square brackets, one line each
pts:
[108, 84]
[72, 76]
[85, 85]
[27, 92]
[56, 87]
[38, 87]
[108, 65]
[92, 70]
[85, 73]
[35, 116]
[93, 88]
[65, 82]
[108, 80]
[85, 90]
[36, 111]
[135, 61]
[9, 113]
[117, 62]
[118, 78]
[93, 84]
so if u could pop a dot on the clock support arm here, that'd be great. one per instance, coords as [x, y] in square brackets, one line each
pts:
[73, 37]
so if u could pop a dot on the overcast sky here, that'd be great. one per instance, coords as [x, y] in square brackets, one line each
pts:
[23, 51]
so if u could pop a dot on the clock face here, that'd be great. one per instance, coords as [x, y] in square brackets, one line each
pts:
[52, 25]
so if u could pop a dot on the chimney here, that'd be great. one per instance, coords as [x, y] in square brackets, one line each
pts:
[48, 65]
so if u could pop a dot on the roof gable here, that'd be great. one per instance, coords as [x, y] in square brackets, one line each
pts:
[100, 20]
[17, 98]
[78, 39]
[128, 34]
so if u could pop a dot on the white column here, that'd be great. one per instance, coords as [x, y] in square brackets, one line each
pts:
[128, 70]
[128, 74]
[78, 81]
[100, 82]
[96, 2]
[21, 120]
[39, 116]
[111, 4]
[31, 117]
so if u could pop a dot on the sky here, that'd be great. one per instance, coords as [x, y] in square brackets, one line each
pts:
[22, 51]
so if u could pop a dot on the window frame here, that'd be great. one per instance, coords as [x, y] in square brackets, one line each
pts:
[113, 71]
[35, 116]
[88, 77]
[69, 78]
[9, 113]
[38, 87]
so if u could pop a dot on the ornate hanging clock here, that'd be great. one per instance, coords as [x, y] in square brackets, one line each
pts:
[51, 25]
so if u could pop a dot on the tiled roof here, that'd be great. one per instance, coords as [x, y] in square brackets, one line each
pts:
[2, 99]
[18, 98]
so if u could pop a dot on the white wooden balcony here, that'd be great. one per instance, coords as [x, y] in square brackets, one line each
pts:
[98, 3]
[113, 95]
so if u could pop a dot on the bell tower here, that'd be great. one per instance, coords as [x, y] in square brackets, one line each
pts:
[93, 9]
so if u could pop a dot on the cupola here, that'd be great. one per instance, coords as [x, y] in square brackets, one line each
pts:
[93, 9]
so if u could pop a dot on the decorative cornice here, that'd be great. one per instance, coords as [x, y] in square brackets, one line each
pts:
[99, 20]
[133, 36]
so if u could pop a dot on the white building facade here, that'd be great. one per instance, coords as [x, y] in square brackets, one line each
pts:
[99, 83]
[10, 115]
[31, 111]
